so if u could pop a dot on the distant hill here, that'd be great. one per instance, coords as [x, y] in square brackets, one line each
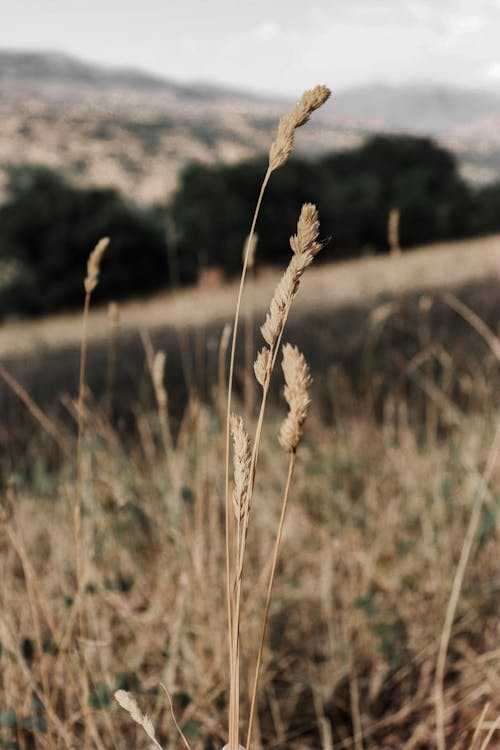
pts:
[135, 131]
[417, 107]
[422, 107]
[23, 70]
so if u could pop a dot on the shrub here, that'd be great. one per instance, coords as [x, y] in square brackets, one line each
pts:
[46, 229]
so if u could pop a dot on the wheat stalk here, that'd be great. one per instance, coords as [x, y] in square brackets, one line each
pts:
[90, 283]
[279, 152]
[305, 246]
[297, 383]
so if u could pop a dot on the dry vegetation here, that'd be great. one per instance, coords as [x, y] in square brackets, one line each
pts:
[383, 624]
[138, 141]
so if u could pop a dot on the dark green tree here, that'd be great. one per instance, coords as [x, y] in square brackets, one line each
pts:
[353, 190]
[47, 230]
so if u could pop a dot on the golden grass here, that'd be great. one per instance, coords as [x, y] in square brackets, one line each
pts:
[444, 266]
[370, 547]
[279, 152]
[383, 626]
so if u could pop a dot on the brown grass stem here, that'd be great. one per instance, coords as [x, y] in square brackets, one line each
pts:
[43, 420]
[479, 726]
[277, 544]
[456, 588]
[77, 519]
[233, 651]
[495, 725]
[475, 322]
[90, 283]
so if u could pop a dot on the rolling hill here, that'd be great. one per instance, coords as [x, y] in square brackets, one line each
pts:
[135, 131]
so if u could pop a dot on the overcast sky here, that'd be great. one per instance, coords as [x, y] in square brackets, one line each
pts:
[271, 45]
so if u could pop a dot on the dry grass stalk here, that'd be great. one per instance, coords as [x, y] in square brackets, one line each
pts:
[493, 728]
[475, 321]
[261, 365]
[43, 420]
[297, 383]
[393, 231]
[307, 231]
[279, 153]
[94, 264]
[305, 247]
[114, 323]
[241, 461]
[128, 702]
[282, 146]
[479, 725]
[272, 330]
[90, 283]
[470, 536]
[283, 297]
[248, 381]
[157, 363]
[221, 369]
[158, 375]
[249, 249]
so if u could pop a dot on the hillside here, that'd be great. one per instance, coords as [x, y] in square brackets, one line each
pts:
[326, 289]
[135, 131]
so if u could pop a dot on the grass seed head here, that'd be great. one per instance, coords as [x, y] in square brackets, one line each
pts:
[297, 382]
[261, 365]
[310, 100]
[158, 373]
[283, 297]
[241, 462]
[282, 146]
[129, 703]
[93, 265]
[307, 231]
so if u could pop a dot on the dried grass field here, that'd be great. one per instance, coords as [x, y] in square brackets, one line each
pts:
[125, 557]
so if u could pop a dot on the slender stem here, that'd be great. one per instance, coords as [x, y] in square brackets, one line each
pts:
[233, 651]
[251, 484]
[79, 551]
[79, 456]
[456, 588]
[268, 598]
[258, 433]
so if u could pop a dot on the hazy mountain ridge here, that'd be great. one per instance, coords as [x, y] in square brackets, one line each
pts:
[129, 129]
[421, 107]
[22, 69]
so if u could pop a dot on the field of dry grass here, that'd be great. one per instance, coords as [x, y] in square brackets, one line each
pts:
[118, 530]
[327, 288]
[385, 484]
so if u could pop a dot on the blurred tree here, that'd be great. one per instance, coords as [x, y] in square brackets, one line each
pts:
[354, 191]
[47, 230]
[485, 216]
[213, 207]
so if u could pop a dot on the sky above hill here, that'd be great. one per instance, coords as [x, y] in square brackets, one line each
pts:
[271, 46]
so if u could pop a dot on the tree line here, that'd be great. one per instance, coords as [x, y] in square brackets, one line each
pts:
[48, 226]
